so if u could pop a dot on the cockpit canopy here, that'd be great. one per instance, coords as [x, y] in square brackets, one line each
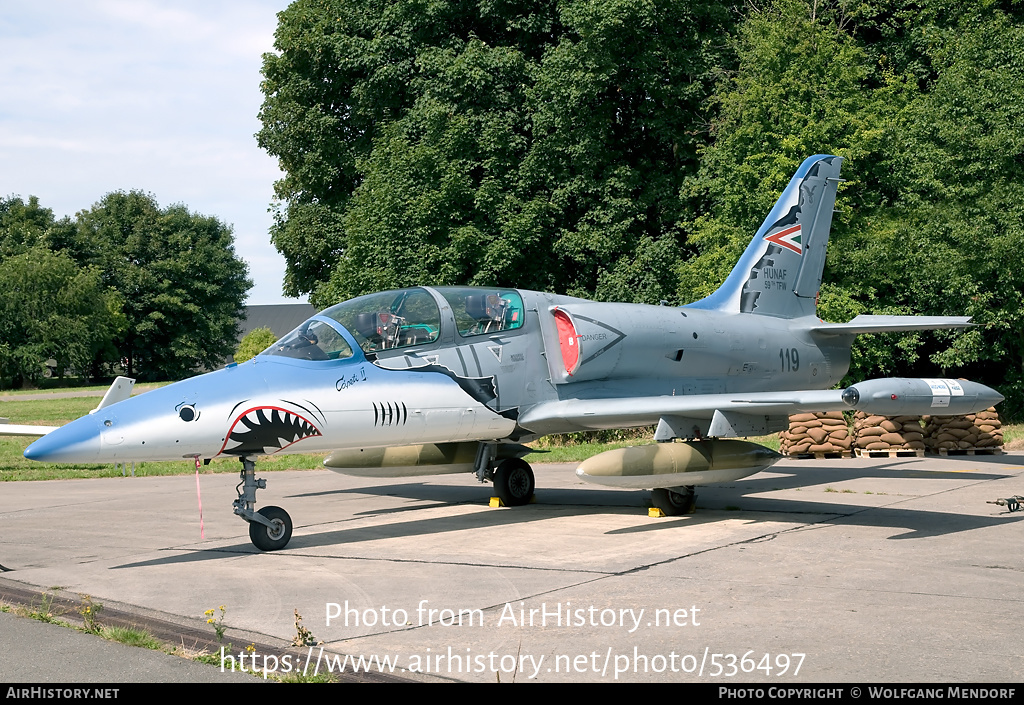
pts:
[399, 319]
[479, 310]
[390, 319]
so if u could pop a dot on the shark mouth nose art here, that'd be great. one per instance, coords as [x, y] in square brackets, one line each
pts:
[263, 430]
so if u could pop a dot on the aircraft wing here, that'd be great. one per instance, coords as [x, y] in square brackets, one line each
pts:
[758, 413]
[119, 390]
[600, 414]
[10, 429]
[890, 324]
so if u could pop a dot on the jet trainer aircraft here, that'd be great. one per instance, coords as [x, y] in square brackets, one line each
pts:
[432, 380]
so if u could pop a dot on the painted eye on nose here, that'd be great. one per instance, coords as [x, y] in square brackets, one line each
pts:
[187, 412]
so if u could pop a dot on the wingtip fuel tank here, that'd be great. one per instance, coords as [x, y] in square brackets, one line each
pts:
[900, 395]
[677, 464]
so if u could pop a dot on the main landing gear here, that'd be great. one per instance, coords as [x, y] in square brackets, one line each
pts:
[675, 501]
[514, 482]
[512, 477]
[270, 529]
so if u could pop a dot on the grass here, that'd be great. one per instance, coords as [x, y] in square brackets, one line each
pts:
[575, 453]
[15, 467]
[132, 637]
[1013, 436]
[47, 412]
[55, 386]
[43, 612]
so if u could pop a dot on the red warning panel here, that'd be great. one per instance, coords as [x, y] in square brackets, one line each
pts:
[569, 341]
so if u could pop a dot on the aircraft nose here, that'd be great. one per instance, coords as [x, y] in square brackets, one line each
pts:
[77, 442]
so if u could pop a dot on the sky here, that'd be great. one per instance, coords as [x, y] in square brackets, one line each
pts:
[106, 95]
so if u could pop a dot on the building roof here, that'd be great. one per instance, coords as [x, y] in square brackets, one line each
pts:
[280, 318]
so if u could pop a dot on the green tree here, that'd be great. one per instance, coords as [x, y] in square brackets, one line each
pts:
[24, 225]
[628, 149]
[182, 285]
[255, 341]
[537, 144]
[52, 308]
[957, 219]
[804, 86]
[799, 90]
[926, 107]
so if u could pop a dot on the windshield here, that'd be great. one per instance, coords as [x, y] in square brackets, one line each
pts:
[313, 340]
[390, 319]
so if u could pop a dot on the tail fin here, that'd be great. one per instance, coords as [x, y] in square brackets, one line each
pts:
[779, 274]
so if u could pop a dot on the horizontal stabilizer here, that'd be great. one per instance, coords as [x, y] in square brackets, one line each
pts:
[889, 324]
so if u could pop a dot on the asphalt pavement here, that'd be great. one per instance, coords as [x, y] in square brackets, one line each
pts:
[851, 570]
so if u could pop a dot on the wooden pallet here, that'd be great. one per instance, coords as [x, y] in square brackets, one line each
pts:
[831, 455]
[891, 453]
[969, 451]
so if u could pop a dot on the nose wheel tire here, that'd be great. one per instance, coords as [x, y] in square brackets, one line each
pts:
[513, 482]
[674, 501]
[271, 538]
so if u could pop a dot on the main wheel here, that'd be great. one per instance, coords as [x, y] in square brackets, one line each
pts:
[273, 538]
[513, 482]
[674, 503]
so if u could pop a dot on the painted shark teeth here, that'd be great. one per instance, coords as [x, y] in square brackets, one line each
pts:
[267, 429]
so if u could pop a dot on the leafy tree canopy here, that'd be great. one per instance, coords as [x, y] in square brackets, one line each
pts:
[536, 144]
[170, 279]
[182, 284]
[25, 225]
[933, 206]
[53, 308]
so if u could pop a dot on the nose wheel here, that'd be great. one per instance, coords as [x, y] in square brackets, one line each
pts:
[270, 529]
[276, 535]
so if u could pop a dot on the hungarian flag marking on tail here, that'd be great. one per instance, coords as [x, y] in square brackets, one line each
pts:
[788, 238]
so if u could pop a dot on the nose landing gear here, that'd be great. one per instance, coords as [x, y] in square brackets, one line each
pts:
[270, 529]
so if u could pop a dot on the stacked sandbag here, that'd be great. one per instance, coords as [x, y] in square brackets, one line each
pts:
[823, 432]
[982, 430]
[874, 432]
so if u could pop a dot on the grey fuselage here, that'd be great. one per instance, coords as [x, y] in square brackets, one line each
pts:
[628, 351]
